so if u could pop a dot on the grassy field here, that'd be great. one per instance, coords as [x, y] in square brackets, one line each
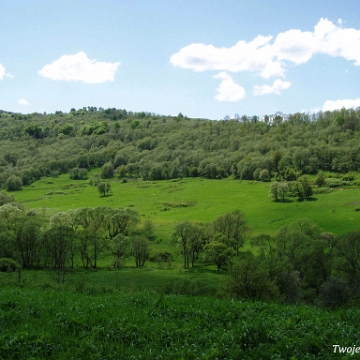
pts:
[167, 312]
[167, 203]
[52, 324]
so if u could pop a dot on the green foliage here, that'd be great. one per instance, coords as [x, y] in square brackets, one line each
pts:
[264, 175]
[302, 248]
[135, 124]
[104, 188]
[13, 183]
[160, 256]
[155, 147]
[347, 262]
[306, 187]
[148, 229]
[7, 265]
[34, 130]
[5, 198]
[107, 171]
[279, 190]
[140, 250]
[275, 158]
[249, 279]
[320, 179]
[334, 293]
[67, 129]
[27, 243]
[233, 227]
[95, 179]
[334, 182]
[78, 174]
[120, 248]
[218, 253]
[104, 326]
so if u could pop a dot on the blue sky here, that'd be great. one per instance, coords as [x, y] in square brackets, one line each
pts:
[205, 59]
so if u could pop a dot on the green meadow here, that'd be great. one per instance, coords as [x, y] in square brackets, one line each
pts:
[51, 324]
[169, 202]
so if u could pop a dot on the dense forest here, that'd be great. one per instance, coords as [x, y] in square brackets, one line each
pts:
[154, 147]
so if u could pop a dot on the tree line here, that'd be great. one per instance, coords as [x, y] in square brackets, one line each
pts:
[154, 147]
[85, 233]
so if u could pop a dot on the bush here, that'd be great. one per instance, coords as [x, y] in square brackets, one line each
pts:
[78, 174]
[320, 179]
[95, 179]
[249, 279]
[289, 284]
[256, 174]
[13, 183]
[334, 293]
[333, 182]
[264, 175]
[5, 198]
[107, 171]
[7, 264]
[160, 256]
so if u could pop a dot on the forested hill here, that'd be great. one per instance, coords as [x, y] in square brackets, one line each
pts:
[155, 147]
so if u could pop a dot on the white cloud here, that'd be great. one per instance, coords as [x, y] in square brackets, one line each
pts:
[228, 89]
[266, 59]
[79, 67]
[3, 72]
[331, 105]
[254, 56]
[276, 88]
[23, 102]
[294, 46]
[337, 41]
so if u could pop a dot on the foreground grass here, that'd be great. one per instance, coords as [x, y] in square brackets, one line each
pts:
[50, 324]
[169, 202]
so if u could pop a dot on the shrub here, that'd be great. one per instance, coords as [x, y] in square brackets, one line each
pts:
[332, 182]
[320, 179]
[13, 183]
[5, 198]
[95, 179]
[334, 293]
[264, 175]
[7, 264]
[160, 256]
[249, 279]
[289, 284]
[78, 174]
[107, 171]
[256, 174]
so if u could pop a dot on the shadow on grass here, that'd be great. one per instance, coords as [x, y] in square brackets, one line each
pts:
[285, 201]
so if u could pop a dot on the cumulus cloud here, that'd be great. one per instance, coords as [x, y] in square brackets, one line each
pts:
[79, 67]
[228, 89]
[3, 72]
[254, 56]
[331, 105]
[276, 88]
[268, 56]
[23, 102]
